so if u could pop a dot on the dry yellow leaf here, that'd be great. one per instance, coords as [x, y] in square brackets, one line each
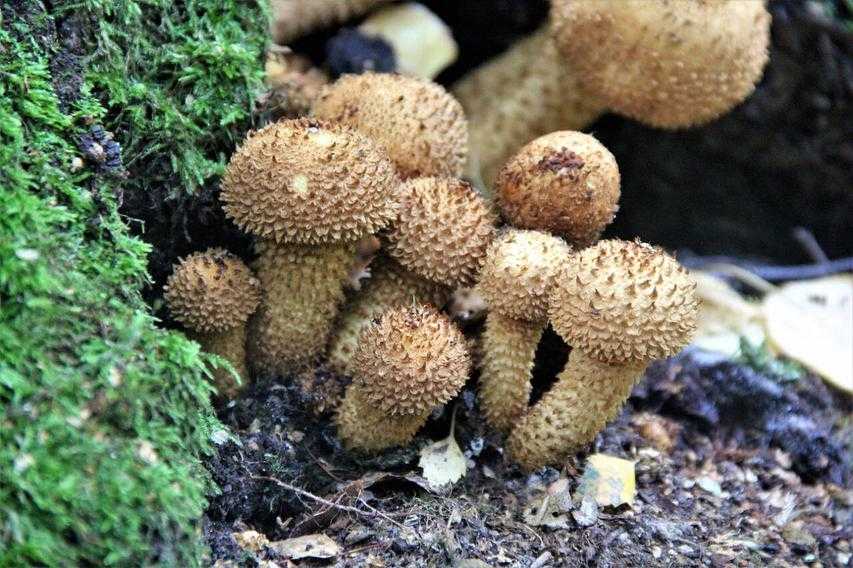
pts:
[811, 322]
[725, 317]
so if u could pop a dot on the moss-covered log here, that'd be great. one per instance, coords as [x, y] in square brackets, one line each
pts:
[105, 417]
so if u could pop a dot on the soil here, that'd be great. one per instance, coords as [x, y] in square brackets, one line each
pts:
[733, 468]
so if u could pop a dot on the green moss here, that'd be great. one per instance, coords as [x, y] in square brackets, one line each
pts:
[179, 80]
[105, 417]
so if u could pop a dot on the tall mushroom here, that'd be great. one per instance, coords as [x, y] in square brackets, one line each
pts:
[666, 64]
[308, 190]
[437, 243]
[410, 361]
[213, 293]
[619, 305]
[515, 282]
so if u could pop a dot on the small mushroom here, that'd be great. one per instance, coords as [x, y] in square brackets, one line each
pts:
[666, 64]
[566, 183]
[213, 293]
[408, 362]
[515, 282]
[419, 124]
[437, 243]
[309, 191]
[619, 305]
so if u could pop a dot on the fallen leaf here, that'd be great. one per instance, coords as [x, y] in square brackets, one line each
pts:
[308, 546]
[609, 480]
[586, 514]
[725, 316]
[811, 322]
[251, 541]
[552, 508]
[443, 462]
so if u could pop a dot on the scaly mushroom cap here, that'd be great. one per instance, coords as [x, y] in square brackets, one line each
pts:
[309, 182]
[622, 302]
[212, 291]
[519, 271]
[442, 231]
[566, 183]
[410, 360]
[667, 64]
[420, 125]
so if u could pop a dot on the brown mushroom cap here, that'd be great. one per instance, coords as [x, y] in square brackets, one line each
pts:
[420, 125]
[566, 183]
[519, 272]
[309, 182]
[411, 360]
[667, 64]
[442, 231]
[212, 291]
[622, 302]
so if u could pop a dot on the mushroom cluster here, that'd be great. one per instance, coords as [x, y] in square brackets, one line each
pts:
[617, 304]
[369, 186]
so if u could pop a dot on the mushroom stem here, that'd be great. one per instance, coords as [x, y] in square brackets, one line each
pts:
[363, 426]
[585, 397]
[509, 349]
[303, 290]
[521, 95]
[390, 286]
[291, 19]
[230, 345]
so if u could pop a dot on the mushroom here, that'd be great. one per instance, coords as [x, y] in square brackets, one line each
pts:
[291, 19]
[213, 293]
[437, 243]
[309, 191]
[411, 360]
[619, 305]
[566, 183]
[666, 64]
[420, 125]
[515, 282]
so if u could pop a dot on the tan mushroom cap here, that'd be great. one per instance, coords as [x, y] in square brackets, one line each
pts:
[566, 183]
[519, 271]
[309, 182]
[667, 64]
[420, 125]
[212, 291]
[622, 302]
[442, 231]
[410, 360]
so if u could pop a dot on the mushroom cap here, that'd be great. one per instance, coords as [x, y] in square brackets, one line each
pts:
[667, 64]
[309, 182]
[622, 302]
[420, 125]
[566, 183]
[442, 230]
[519, 271]
[212, 291]
[410, 360]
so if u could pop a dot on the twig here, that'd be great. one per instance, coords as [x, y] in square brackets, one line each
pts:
[371, 511]
[772, 273]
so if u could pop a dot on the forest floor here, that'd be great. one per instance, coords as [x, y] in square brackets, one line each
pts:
[733, 467]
